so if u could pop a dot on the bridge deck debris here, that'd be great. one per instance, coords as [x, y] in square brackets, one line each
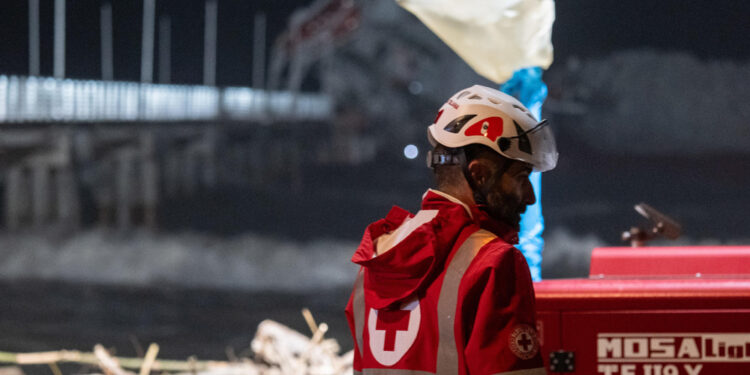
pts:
[276, 348]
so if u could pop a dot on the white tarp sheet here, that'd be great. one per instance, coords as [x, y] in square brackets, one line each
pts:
[495, 37]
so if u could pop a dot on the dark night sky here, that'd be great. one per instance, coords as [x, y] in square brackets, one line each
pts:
[709, 30]
[234, 51]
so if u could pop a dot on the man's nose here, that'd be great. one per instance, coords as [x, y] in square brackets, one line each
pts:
[528, 193]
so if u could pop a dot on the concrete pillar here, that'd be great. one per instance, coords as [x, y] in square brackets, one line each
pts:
[209, 43]
[172, 172]
[15, 193]
[238, 168]
[277, 163]
[123, 185]
[294, 160]
[189, 167]
[41, 192]
[209, 173]
[59, 51]
[68, 202]
[256, 162]
[149, 180]
[147, 41]
[104, 190]
[259, 51]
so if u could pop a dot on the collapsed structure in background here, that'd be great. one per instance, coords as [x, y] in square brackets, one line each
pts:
[129, 144]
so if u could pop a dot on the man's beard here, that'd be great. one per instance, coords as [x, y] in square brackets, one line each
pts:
[502, 207]
[505, 208]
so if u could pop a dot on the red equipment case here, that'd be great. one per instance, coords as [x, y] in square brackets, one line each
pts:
[650, 311]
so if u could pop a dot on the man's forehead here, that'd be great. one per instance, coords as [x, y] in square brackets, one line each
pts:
[507, 165]
[518, 166]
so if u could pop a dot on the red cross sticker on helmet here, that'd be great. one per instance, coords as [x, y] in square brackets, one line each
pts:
[490, 127]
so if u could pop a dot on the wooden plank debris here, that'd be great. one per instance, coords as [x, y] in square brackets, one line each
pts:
[277, 349]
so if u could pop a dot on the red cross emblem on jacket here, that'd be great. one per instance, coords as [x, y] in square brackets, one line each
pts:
[391, 322]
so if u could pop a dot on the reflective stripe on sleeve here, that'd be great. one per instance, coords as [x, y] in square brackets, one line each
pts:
[358, 306]
[447, 355]
[531, 371]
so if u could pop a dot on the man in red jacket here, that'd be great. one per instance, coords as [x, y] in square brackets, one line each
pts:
[444, 291]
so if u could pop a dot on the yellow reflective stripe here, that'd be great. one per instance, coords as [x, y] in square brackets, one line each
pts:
[358, 306]
[531, 371]
[447, 355]
[388, 371]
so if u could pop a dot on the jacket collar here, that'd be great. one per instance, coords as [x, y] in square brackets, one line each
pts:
[445, 196]
[476, 213]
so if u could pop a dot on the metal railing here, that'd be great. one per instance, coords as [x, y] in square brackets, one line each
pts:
[42, 99]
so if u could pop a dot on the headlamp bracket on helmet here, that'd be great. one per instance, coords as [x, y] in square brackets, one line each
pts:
[450, 156]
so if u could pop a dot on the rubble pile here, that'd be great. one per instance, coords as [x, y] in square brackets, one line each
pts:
[277, 350]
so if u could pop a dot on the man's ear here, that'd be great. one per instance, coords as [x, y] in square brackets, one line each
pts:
[480, 171]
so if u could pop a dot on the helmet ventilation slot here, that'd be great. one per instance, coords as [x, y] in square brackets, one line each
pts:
[516, 106]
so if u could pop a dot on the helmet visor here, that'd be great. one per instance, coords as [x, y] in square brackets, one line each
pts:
[535, 146]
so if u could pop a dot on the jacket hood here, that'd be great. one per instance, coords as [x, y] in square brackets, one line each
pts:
[403, 253]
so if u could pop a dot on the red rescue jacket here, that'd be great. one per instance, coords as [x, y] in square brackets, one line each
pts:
[442, 292]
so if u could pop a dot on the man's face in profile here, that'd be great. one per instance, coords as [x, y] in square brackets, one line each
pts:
[509, 193]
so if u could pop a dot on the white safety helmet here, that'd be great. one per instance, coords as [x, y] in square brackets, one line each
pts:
[485, 116]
